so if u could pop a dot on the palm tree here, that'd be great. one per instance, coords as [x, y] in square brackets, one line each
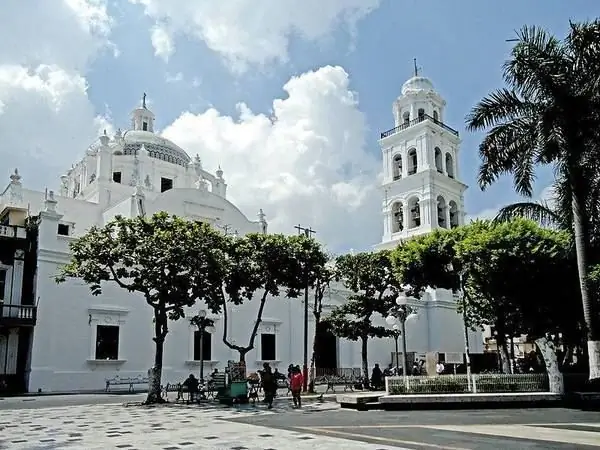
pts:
[550, 114]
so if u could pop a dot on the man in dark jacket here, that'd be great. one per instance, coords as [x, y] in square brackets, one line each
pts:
[269, 384]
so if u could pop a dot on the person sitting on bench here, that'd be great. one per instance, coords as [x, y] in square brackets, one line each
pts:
[191, 384]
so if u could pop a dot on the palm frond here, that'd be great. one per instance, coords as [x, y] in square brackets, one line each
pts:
[498, 107]
[539, 212]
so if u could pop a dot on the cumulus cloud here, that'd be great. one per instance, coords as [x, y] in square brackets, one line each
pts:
[45, 113]
[249, 32]
[66, 33]
[46, 119]
[306, 163]
[162, 43]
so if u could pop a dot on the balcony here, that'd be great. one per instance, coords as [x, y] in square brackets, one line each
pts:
[17, 315]
[13, 232]
[419, 119]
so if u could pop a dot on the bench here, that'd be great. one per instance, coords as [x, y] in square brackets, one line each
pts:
[170, 387]
[333, 381]
[284, 383]
[126, 381]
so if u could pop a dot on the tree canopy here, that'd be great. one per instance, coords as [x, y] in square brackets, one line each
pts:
[262, 266]
[374, 289]
[549, 113]
[518, 277]
[170, 261]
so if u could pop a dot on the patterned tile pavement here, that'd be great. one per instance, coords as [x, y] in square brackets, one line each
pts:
[169, 427]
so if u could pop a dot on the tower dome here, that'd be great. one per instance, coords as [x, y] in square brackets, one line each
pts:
[417, 84]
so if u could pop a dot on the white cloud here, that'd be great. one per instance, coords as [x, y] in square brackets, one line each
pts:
[46, 118]
[250, 32]
[162, 43]
[307, 163]
[66, 33]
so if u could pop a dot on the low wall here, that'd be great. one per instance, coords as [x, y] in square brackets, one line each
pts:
[461, 384]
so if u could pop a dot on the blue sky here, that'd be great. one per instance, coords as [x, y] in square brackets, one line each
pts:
[459, 45]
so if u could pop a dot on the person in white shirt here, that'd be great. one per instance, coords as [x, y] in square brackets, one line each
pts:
[439, 368]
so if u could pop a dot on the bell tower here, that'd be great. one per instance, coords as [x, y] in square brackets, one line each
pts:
[142, 119]
[421, 185]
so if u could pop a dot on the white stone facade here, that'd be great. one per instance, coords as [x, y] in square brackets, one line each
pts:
[422, 192]
[80, 340]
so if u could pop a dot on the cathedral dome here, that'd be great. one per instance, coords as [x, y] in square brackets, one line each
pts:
[157, 147]
[417, 84]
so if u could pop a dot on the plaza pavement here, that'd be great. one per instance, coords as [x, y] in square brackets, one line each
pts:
[103, 421]
[169, 427]
[489, 429]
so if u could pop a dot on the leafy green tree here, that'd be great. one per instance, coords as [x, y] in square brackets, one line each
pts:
[262, 266]
[321, 277]
[374, 289]
[170, 261]
[550, 114]
[506, 268]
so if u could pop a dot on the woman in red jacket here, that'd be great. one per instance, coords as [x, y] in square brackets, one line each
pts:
[296, 382]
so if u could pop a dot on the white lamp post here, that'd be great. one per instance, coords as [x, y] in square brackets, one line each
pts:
[465, 323]
[401, 313]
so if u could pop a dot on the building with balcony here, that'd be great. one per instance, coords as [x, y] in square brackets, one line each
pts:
[18, 255]
[422, 192]
[80, 340]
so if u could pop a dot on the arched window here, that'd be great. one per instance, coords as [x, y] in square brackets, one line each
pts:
[438, 160]
[449, 165]
[453, 214]
[441, 212]
[406, 118]
[421, 114]
[397, 167]
[435, 116]
[397, 217]
[414, 220]
[412, 161]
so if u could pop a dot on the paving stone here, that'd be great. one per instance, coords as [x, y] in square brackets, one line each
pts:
[170, 427]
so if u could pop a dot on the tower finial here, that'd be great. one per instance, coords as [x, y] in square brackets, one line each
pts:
[144, 101]
[416, 68]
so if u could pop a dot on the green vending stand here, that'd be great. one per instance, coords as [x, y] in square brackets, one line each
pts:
[236, 390]
[239, 390]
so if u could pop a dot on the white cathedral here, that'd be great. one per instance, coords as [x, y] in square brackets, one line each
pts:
[59, 338]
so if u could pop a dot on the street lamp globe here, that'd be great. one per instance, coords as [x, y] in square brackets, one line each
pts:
[390, 320]
[396, 327]
[202, 313]
[210, 329]
[402, 299]
[412, 317]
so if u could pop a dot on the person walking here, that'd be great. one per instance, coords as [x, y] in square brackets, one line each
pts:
[269, 384]
[296, 383]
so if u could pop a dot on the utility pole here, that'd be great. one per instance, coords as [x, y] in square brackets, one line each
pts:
[308, 232]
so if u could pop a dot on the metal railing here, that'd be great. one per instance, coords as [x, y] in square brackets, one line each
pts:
[16, 313]
[13, 231]
[339, 372]
[459, 384]
[419, 119]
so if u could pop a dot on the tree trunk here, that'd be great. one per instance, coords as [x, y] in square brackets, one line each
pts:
[579, 232]
[311, 387]
[555, 376]
[155, 374]
[503, 351]
[365, 360]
